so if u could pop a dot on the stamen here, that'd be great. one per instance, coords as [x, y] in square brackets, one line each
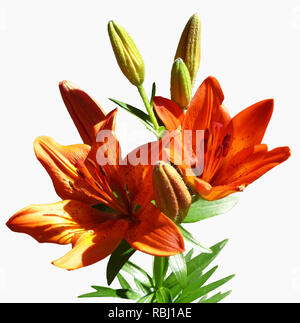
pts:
[206, 137]
[226, 148]
[80, 173]
[227, 138]
[218, 152]
[226, 144]
[214, 146]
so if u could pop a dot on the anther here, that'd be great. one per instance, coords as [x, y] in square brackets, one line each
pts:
[219, 151]
[206, 137]
[79, 172]
[226, 144]
[227, 138]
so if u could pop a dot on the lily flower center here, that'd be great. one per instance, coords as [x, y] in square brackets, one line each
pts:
[97, 182]
[216, 147]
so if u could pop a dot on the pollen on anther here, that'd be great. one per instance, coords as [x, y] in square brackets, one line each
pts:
[219, 151]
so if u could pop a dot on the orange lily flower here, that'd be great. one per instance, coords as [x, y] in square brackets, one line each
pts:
[233, 153]
[84, 186]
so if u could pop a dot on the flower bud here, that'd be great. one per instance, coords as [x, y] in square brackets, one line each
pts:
[181, 86]
[128, 57]
[189, 46]
[171, 193]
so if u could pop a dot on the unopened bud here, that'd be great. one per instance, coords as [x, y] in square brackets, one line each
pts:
[181, 86]
[171, 193]
[189, 46]
[128, 57]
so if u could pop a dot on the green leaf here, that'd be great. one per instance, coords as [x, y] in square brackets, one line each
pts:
[138, 273]
[144, 289]
[117, 260]
[189, 255]
[109, 292]
[191, 291]
[210, 287]
[152, 93]
[163, 295]
[179, 268]
[201, 261]
[202, 209]
[202, 299]
[147, 298]
[123, 282]
[194, 267]
[141, 115]
[216, 298]
[189, 237]
[160, 267]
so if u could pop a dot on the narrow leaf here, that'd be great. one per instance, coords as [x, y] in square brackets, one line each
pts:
[160, 267]
[202, 209]
[190, 292]
[109, 292]
[117, 260]
[189, 255]
[147, 298]
[163, 295]
[216, 298]
[194, 267]
[144, 289]
[137, 112]
[179, 268]
[152, 93]
[138, 273]
[123, 282]
[204, 259]
[141, 115]
[210, 287]
[190, 238]
[202, 299]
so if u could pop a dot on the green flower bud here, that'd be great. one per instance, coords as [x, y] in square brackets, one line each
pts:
[181, 86]
[171, 193]
[128, 57]
[189, 46]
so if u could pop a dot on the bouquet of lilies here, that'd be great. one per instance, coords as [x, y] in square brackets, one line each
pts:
[114, 205]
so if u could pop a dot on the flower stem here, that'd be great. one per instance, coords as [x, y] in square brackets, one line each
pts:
[148, 106]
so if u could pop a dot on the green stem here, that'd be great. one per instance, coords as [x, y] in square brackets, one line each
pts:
[148, 106]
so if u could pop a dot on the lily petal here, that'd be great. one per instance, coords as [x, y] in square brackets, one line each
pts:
[239, 162]
[93, 245]
[59, 161]
[221, 115]
[106, 150]
[85, 112]
[248, 127]
[251, 171]
[206, 100]
[57, 222]
[168, 112]
[137, 172]
[154, 233]
[248, 172]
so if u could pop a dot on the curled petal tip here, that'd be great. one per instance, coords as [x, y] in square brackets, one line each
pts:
[85, 112]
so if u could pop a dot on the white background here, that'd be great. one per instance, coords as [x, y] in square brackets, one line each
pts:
[252, 47]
